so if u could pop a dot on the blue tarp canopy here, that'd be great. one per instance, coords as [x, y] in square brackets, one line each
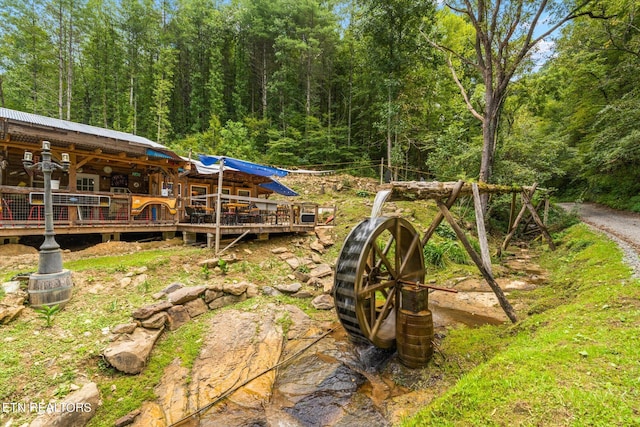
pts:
[244, 166]
[279, 188]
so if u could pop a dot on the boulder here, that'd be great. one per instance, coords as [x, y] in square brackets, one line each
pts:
[156, 321]
[323, 302]
[325, 236]
[252, 290]
[177, 316]
[130, 352]
[149, 310]
[74, 411]
[183, 295]
[172, 391]
[196, 307]
[270, 292]
[151, 415]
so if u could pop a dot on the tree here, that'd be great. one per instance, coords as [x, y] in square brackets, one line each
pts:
[506, 34]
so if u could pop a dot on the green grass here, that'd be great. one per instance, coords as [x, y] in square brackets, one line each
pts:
[574, 363]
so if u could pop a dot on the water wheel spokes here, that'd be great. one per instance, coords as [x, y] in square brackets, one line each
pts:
[376, 255]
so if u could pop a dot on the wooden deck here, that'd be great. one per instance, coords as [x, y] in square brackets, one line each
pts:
[22, 214]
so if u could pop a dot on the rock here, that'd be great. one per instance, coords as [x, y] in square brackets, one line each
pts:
[139, 280]
[314, 282]
[151, 415]
[323, 302]
[317, 246]
[11, 287]
[172, 391]
[226, 300]
[285, 255]
[183, 295]
[156, 321]
[84, 403]
[196, 307]
[270, 292]
[172, 288]
[130, 353]
[252, 290]
[158, 295]
[301, 276]
[289, 289]
[325, 236]
[235, 288]
[126, 281]
[280, 250]
[321, 270]
[177, 316]
[210, 263]
[211, 295]
[8, 314]
[124, 328]
[294, 262]
[239, 346]
[149, 310]
[302, 294]
[141, 270]
[127, 419]
[316, 258]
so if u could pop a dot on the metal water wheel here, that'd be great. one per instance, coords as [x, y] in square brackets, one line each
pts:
[377, 257]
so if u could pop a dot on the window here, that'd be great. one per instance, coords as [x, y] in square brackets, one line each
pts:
[167, 189]
[197, 194]
[85, 182]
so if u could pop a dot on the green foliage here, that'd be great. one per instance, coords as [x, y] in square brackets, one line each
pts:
[223, 266]
[440, 255]
[47, 313]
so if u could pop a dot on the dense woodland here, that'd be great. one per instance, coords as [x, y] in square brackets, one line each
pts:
[341, 85]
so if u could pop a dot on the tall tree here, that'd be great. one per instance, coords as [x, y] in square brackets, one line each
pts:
[507, 33]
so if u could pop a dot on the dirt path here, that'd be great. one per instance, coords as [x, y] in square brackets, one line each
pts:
[622, 227]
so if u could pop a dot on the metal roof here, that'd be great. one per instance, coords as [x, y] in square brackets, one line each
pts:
[35, 119]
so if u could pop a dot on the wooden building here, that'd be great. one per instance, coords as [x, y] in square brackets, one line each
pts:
[123, 183]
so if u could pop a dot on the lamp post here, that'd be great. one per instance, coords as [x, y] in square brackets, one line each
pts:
[51, 284]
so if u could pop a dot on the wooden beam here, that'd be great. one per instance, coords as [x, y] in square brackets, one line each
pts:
[439, 217]
[482, 232]
[413, 190]
[527, 201]
[502, 299]
[514, 227]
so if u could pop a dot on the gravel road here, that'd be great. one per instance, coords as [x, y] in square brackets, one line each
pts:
[621, 227]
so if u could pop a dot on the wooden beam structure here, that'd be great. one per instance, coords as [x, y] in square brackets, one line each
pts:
[446, 193]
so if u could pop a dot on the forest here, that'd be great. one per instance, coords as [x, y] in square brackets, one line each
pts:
[507, 92]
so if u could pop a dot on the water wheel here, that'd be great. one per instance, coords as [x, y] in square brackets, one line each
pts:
[377, 257]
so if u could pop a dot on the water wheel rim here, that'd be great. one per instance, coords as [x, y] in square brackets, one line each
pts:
[373, 294]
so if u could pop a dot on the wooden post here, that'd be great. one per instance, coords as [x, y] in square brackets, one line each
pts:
[504, 303]
[514, 227]
[381, 170]
[527, 202]
[219, 204]
[545, 220]
[482, 232]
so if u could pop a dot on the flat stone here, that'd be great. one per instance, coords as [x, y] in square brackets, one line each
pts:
[130, 353]
[8, 314]
[317, 259]
[294, 262]
[124, 328]
[183, 295]
[139, 280]
[211, 295]
[321, 270]
[11, 287]
[226, 300]
[270, 292]
[151, 415]
[125, 281]
[301, 276]
[235, 288]
[127, 419]
[87, 398]
[317, 246]
[325, 236]
[302, 294]
[158, 295]
[196, 307]
[210, 263]
[156, 321]
[172, 288]
[252, 290]
[280, 250]
[149, 310]
[323, 302]
[177, 316]
[285, 255]
[290, 288]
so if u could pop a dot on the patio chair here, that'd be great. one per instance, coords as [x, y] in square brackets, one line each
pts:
[196, 216]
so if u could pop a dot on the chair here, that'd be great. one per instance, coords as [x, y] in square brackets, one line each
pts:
[196, 216]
